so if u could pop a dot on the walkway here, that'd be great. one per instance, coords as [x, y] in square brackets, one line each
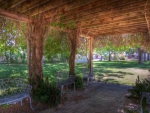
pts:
[96, 98]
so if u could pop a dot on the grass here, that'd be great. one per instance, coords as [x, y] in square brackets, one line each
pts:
[122, 72]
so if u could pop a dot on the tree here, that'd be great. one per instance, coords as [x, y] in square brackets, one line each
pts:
[11, 40]
[56, 43]
[122, 42]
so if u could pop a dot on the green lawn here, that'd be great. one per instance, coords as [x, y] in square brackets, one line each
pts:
[122, 72]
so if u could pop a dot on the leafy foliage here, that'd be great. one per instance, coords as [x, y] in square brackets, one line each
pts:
[142, 86]
[122, 42]
[56, 43]
[45, 92]
[78, 82]
[12, 41]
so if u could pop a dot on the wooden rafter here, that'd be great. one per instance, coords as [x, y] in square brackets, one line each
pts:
[28, 5]
[110, 21]
[12, 4]
[57, 6]
[45, 7]
[148, 23]
[75, 8]
[95, 17]
[102, 10]
[106, 13]
[14, 16]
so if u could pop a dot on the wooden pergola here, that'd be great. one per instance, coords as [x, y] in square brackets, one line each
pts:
[91, 19]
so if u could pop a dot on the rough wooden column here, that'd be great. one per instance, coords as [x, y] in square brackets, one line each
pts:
[148, 57]
[37, 31]
[90, 54]
[73, 37]
[145, 56]
[29, 50]
[140, 55]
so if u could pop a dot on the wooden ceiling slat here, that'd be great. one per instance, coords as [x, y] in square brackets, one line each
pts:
[28, 5]
[116, 7]
[12, 4]
[108, 14]
[118, 32]
[98, 17]
[113, 27]
[117, 28]
[14, 16]
[63, 10]
[56, 4]
[44, 7]
[108, 20]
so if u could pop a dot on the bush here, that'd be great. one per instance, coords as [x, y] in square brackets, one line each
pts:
[78, 82]
[45, 92]
[142, 86]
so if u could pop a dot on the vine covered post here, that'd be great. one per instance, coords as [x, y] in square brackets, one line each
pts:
[140, 55]
[148, 56]
[73, 38]
[29, 49]
[36, 33]
[145, 56]
[90, 55]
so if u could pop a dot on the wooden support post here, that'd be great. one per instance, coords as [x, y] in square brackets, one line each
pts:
[145, 56]
[148, 56]
[29, 57]
[90, 64]
[28, 40]
[140, 55]
[73, 37]
[35, 46]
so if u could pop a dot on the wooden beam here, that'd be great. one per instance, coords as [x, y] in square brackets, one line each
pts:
[75, 7]
[112, 25]
[14, 16]
[90, 56]
[103, 18]
[44, 7]
[117, 28]
[108, 9]
[80, 13]
[56, 6]
[28, 5]
[108, 20]
[12, 4]
[112, 32]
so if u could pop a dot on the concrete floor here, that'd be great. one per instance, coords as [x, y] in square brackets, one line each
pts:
[96, 98]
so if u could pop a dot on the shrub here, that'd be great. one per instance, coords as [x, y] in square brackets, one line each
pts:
[78, 82]
[45, 92]
[142, 86]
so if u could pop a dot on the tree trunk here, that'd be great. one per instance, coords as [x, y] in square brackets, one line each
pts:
[36, 34]
[90, 66]
[144, 56]
[29, 52]
[73, 37]
[140, 56]
[109, 57]
[148, 57]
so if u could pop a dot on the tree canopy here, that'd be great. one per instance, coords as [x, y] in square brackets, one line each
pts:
[122, 42]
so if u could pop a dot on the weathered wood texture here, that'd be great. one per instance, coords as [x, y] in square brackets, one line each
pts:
[90, 55]
[98, 17]
[73, 38]
[36, 34]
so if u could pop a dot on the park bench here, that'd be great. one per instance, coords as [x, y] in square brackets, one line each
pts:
[14, 90]
[87, 76]
[63, 79]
